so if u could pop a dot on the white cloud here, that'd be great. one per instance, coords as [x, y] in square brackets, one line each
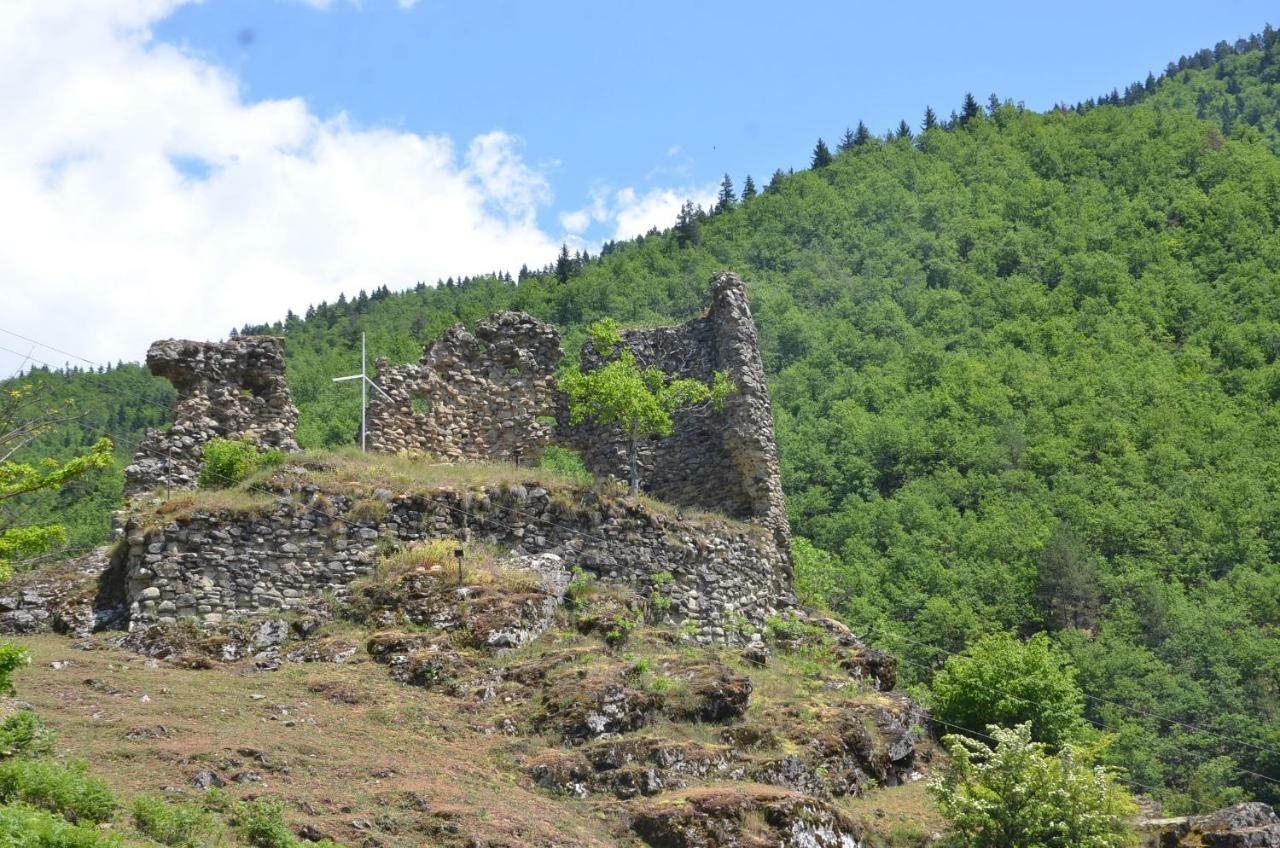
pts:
[142, 197]
[630, 212]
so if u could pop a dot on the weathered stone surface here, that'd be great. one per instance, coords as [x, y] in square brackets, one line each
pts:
[725, 577]
[493, 394]
[722, 460]
[490, 395]
[228, 389]
[77, 597]
[1249, 825]
[737, 815]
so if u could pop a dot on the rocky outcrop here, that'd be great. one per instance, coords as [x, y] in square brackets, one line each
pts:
[231, 389]
[490, 395]
[1249, 825]
[77, 597]
[742, 815]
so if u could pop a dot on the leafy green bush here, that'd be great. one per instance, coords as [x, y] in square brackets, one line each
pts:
[1000, 680]
[261, 823]
[1019, 794]
[228, 462]
[567, 463]
[12, 658]
[179, 825]
[22, 826]
[67, 790]
[23, 734]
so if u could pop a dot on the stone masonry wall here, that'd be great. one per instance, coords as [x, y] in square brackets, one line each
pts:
[225, 389]
[489, 395]
[218, 566]
[724, 460]
[483, 396]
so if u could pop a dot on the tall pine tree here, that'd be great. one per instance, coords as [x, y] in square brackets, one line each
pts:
[821, 155]
[930, 119]
[726, 200]
[847, 141]
[862, 136]
[748, 189]
[970, 109]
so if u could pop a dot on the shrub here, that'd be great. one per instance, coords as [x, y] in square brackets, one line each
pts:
[26, 827]
[23, 734]
[567, 463]
[1018, 794]
[261, 823]
[179, 825]
[227, 462]
[1002, 681]
[68, 790]
[12, 658]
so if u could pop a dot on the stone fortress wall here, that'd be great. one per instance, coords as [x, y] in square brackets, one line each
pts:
[481, 396]
[230, 389]
[490, 395]
[726, 577]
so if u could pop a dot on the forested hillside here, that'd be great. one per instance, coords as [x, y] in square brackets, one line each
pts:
[1025, 373]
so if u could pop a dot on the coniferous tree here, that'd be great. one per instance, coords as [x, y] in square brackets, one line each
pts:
[930, 119]
[862, 136]
[847, 141]
[726, 200]
[969, 109]
[821, 155]
[564, 264]
[748, 188]
[904, 129]
[993, 104]
[689, 226]
[1150, 85]
[775, 182]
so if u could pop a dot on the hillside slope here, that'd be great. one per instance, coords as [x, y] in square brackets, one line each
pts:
[1025, 377]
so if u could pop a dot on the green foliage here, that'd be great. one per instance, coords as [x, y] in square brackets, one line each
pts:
[178, 825]
[566, 462]
[22, 826]
[1017, 794]
[1002, 681]
[1024, 377]
[640, 401]
[260, 823]
[12, 658]
[65, 789]
[23, 734]
[228, 462]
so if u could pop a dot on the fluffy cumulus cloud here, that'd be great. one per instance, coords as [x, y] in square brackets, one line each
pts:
[142, 196]
[629, 212]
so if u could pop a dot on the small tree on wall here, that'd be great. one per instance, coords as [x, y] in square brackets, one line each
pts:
[640, 401]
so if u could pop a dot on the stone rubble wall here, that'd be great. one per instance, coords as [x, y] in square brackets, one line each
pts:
[483, 396]
[228, 389]
[726, 577]
[722, 460]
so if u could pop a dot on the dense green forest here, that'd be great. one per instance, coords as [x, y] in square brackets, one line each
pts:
[1025, 369]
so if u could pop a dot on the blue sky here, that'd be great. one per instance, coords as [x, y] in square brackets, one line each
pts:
[174, 168]
[629, 94]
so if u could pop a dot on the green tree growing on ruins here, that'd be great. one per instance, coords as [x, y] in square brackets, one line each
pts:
[639, 401]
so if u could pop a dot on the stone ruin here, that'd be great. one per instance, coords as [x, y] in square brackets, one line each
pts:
[722, 460]
[491, 395]
[231, 389]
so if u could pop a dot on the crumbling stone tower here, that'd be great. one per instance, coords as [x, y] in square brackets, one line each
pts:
[228, 389]
[722, 460]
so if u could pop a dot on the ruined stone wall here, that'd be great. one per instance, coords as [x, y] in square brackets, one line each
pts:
[483, 396]
[489, 395]
[225, 389]
[216, 566]
[723, 460]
